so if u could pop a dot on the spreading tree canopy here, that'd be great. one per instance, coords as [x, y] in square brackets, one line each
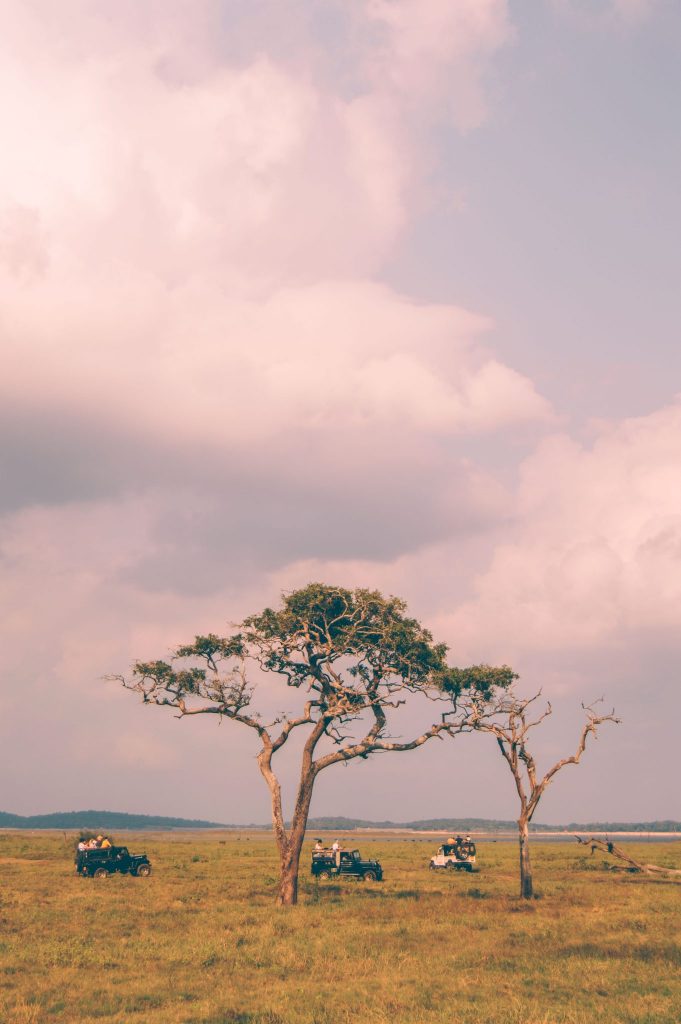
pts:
[354, 657]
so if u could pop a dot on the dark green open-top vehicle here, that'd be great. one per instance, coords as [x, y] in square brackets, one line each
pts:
[329, 864]
[100, 863]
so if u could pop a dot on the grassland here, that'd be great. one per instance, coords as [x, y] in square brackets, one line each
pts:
[202, 942]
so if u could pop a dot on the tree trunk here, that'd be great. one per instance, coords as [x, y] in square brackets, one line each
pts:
[290, 854]
[290, 843]
[526, 888]
[288, 883]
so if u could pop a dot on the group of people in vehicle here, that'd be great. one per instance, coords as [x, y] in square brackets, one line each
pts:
[458, 841]
[96, 843]
[334, 851]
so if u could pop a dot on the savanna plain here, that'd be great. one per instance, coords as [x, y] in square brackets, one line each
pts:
[202, 941]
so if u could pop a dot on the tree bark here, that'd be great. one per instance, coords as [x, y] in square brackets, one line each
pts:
[526, 887]
[290, 856]
[290, 843]
[288, 879]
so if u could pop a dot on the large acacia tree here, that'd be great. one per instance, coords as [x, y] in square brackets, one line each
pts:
[354, 657]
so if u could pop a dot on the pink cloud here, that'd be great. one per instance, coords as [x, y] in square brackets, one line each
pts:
[180, 237]
[596, 550]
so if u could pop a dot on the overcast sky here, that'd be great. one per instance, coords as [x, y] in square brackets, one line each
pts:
[372, 292]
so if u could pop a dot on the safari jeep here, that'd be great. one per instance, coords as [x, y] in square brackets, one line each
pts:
[100, 863]
[325, 865]
[456, 856]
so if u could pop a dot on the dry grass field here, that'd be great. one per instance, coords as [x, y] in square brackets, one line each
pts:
[202, 942]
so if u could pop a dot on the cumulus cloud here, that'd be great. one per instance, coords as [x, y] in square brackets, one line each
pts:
[128, 140]
[193, 363]
[188, 247]
[223, 174]
[596, 551]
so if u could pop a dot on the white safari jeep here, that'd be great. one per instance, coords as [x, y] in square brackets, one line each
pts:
[456, 854]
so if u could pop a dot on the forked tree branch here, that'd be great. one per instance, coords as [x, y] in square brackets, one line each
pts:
[506, 719]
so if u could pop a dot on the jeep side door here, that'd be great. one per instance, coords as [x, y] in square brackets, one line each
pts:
[347, 866]
[121, 858]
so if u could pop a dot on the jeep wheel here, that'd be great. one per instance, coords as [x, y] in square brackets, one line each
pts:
[100, 873]
[143, 871]
[324, 875]
[369, 876]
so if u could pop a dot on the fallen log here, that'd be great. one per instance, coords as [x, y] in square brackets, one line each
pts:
[606, 846]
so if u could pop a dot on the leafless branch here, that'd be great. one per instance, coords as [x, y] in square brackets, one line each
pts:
[605, 846]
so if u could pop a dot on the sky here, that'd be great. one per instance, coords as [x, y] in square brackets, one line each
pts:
[377, 293]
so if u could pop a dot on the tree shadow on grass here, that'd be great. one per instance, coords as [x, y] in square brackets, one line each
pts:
[229, 1017]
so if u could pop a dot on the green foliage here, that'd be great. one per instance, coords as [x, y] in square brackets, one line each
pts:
[212, 648]
[481, 679]
[352, 648]
[319, 625]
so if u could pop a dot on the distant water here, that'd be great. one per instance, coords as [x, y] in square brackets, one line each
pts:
[486, 839]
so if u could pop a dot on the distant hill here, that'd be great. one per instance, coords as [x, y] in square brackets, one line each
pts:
[426, 825]
[488, 825]
[111, 820]
[101, 820]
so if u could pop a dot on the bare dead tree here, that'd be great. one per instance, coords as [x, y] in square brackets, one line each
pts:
[605, 846]
[354, 655]
[507, 717]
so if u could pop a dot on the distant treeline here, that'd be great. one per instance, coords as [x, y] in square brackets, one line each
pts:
[490, 825]
[110, 820]
[101, 820]
[427, 825]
